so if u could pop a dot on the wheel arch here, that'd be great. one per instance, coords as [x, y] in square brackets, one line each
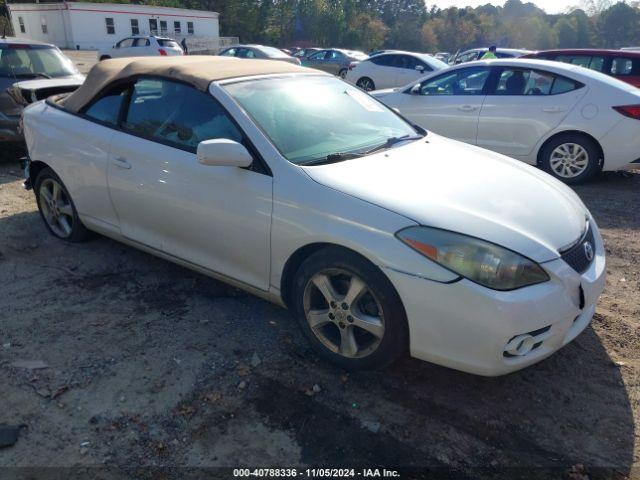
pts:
[300, 255]
[566, 132]
[35, 167]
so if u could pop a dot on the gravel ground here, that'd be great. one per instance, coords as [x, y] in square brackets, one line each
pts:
[150, 364]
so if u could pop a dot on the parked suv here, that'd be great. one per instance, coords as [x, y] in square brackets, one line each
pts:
[142, 46]
[621, 64]
[30, 71]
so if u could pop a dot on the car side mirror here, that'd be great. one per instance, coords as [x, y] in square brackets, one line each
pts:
[420, 68]
[222, 152]
[415, 90]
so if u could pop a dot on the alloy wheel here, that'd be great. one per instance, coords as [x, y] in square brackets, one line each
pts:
[343, 313]
[56, 208]
[365, 84]
[569, 160]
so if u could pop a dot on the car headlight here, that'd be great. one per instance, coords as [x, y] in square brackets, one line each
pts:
[482, 262]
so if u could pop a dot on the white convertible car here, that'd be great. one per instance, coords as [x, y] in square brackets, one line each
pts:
[382, 238]
[569, 120]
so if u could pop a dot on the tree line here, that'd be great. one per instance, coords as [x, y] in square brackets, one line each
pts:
[412, 25]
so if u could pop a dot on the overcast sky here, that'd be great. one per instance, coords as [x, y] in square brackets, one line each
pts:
[550, 6]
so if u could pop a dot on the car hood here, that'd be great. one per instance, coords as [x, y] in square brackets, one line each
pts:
[32, 90]
[446, 184]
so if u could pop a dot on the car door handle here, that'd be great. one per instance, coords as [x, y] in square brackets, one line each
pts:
[552, 109]
[121, 162]
[467, 108]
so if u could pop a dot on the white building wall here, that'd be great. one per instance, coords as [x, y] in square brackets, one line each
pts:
[35, 16]
[83, 25]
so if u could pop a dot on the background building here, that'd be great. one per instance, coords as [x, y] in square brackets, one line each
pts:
[93, 26]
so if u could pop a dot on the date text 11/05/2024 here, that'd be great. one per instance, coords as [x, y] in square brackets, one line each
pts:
[316, 472]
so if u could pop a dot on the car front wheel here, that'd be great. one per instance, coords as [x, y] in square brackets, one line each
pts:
[57, 209]
[349, 310]
[571, 158]
[366, 84]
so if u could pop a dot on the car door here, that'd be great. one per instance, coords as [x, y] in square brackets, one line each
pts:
[218, 218]
[522, 106]
[141, 47]
[124, 48]
[449, 103]
[409, 69]
[333, 61]
[382, 70]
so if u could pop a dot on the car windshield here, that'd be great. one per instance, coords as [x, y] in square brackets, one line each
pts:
[309, 118]
[33, 61]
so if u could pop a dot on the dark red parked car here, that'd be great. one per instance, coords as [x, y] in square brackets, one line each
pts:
[621, 64]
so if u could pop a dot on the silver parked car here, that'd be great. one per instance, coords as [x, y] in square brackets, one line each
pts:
[477, 53]
[258, 52]
[334, 60]
[30, 71]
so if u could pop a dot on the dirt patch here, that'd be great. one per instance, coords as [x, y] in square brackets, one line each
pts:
[149, 364]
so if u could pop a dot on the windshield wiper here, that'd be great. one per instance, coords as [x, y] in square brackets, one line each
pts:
[339, 157]
[390, 142]
[31, 75]
[333, 158]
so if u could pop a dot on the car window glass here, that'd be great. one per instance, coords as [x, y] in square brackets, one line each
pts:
[229, 53]
[625, 66]
[563, 85]
[126, 43]
[107, 108]
[465, 81]
[331, 55]
[164, 42]
[177, 114]
[513, 81]
[596, 63]
[141, 42]
[383, 60]
[245, 53]
[318, 55]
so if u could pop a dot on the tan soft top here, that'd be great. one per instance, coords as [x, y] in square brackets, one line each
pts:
[198, 70]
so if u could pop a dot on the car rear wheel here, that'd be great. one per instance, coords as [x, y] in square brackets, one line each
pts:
[349, 310]
[105, 57]
[366, 84]
[342, 73]
[57, 209]
[571, 158]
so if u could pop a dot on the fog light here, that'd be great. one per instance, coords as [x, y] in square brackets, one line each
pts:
[520, 345]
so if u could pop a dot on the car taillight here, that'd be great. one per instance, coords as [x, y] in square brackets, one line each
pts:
[162, 51]
[631, 111]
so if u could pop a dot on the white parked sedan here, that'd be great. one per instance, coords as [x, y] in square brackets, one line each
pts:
[380, 237]
[392, 69]
[142, 46]
[570, 121]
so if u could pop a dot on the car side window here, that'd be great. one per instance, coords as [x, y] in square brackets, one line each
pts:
[523, 81]
[106, 109]
[177, 114]
[383, 60]
[231, 52]
[245, 53]
[141, 42]
[465, 81]
[331, 55]
[586, 61]
[318, 55]
[126, 43]
[625, 66]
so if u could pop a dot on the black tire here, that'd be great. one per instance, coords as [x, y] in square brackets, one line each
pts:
[366, 84]
[105, 57]
[342, 73]
[395, 339]
[78, 232]
[549, 162]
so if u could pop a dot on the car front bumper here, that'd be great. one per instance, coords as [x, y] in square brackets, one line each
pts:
[468, 327]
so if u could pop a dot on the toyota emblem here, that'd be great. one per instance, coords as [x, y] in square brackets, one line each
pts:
[588, 250]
